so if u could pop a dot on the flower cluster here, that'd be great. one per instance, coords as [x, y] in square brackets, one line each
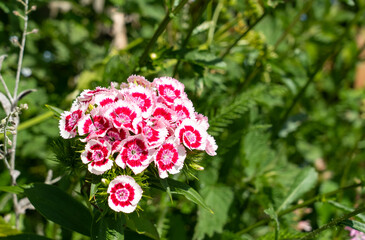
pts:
[131, 127]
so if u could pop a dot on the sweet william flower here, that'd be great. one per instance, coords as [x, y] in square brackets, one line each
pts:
[169, 158]
[124, 114]
[96, 155]
[191, 135]
[143, 98]
[134, 153]
[169, 89]
[124, 194]
[68, 123]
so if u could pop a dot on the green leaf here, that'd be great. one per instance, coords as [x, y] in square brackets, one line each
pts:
[271, 212]
[93, 190]
[302, 183]
[109, 227]
[24, 237]
[187, 191]
[220, 199]
[4, 8]
[167, 187]
[59, 207]
[11, 189]
[347, 209]
[6, 229]
[142, 225]
[57, 111]
[359, 226]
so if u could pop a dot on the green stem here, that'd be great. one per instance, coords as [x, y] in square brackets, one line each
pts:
[32, 122]
[161, 28]
[336, 49]
[228, 50]
[292, 24]
[333, 223]
[203, 4]
[304, 204]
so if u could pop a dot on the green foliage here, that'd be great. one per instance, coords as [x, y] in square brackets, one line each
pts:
[107, 227]
[359, 226]
[140, 224]
[59, 207]
[278, 81]
[219, 198]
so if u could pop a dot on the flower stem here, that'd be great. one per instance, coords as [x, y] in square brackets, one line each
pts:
[333, 223]
[304, 204]
[161, 28]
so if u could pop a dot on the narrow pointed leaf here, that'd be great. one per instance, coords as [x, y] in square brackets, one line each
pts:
[303, 183]
[188, 192]
[57, 111]
[59, 207]
[11, 189]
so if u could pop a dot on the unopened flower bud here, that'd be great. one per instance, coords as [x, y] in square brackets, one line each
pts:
[105, 181]
[196, 167]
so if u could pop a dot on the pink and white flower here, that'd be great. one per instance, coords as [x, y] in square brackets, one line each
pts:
[68, 123]
[169, 158]
[96, 155]
[125, 193]
[162, 111]
[114, 136]
[155, 135]
[169, 89]
[94, 125]
[140, 80]
[143, 98]
[124, 114]
[211, 146]
[104, 99]
[134, 153]
[184, 109]
[190, 133]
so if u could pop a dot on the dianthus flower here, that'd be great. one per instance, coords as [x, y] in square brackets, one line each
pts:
[125, 194]
[131, 127]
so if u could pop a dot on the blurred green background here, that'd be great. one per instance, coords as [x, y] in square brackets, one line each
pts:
[282, 83]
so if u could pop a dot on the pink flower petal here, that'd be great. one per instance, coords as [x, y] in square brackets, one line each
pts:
[125, 193]
[124, 114]
[169, 158]
[68, 123]
[140, 80]
[134, 153]
[96, 155]
[169, 89]
[143, 98]
[191, 135]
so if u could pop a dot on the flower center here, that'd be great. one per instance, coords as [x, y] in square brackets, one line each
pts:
[190, 136]
[122, 194]
[134, 153]
[98, 155]
[167, 156]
